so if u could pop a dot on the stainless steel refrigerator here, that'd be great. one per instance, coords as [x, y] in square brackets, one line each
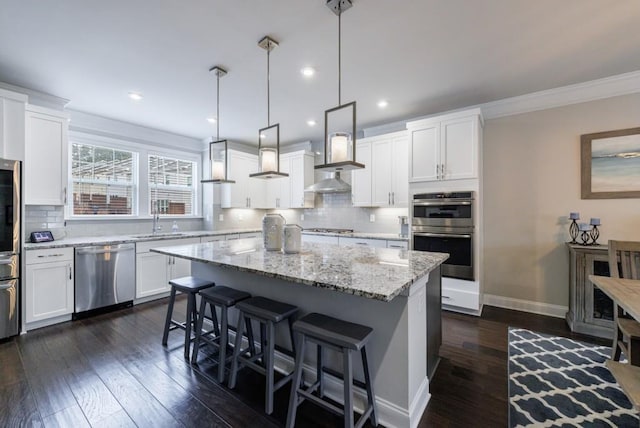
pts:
[10, 246]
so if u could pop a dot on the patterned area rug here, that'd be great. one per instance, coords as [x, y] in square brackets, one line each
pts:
[559, 382]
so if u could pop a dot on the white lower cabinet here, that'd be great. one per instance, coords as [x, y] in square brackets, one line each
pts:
[215, 238]
[364, 242]
[461, 296]
[154, 270]
[49, 289]
[399, 245]
[320, 239]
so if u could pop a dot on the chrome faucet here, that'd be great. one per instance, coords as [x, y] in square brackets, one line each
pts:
[156, 218]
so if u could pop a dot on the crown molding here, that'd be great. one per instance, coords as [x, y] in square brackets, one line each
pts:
[622, 84]
[38, 98]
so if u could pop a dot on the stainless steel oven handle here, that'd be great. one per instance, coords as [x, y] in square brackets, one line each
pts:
[443, 235]
[6, 286]
[440, 203]
[6, 261]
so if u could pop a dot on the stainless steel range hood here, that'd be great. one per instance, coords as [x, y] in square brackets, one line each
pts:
[334, 184]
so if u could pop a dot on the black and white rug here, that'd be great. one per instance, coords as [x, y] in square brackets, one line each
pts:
[559, 382]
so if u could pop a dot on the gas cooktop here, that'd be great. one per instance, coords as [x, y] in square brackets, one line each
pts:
[328, 230]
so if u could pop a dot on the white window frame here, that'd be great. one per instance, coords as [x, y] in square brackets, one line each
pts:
[141, 196]
[134, 174]
[195, 203]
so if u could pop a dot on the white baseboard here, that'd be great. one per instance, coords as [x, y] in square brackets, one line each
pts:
[557, 311]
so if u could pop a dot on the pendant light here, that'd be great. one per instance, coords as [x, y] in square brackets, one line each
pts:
[269, 137]
[218, 153]
[340, 141]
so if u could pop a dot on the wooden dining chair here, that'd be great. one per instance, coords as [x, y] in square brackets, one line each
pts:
[624, 262]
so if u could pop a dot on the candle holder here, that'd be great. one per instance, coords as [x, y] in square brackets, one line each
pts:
[584, 236]
[574, 231]
[595, 234]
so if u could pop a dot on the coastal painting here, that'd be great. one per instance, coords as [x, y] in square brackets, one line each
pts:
[611, 164]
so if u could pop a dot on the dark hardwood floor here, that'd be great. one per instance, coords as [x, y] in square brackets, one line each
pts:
[111, 371]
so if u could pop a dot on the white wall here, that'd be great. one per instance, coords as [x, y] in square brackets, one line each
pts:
[532, 182]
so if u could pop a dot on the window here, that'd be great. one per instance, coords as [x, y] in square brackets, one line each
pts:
[103, 180]
[171, 185]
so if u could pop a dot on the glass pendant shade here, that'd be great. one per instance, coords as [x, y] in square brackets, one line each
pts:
[339, 139]
[269, 153]
[218, 162]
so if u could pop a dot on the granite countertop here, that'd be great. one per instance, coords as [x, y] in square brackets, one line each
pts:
[375, 273]
[362, 235]
[121, 239]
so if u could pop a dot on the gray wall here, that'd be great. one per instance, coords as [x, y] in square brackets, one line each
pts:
[532, 182]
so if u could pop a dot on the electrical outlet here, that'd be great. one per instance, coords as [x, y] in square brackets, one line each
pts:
[372, 218]
[220, 217]
[240, 216]
[301, 217]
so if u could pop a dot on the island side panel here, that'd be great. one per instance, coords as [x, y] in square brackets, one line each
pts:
[434, 321]
[388, 351]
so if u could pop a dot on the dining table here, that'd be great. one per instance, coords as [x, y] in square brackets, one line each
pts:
[626, 294]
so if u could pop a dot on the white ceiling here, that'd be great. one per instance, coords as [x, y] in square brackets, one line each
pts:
[423, 56]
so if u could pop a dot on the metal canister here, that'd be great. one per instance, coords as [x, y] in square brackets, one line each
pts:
[272, 231]
[292, 238]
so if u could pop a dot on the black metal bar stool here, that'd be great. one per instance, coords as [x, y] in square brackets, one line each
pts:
[190, 286]
[222, 297]
[268, 313]
[341, 336]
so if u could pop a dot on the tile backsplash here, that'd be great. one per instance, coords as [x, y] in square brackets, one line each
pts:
[50, 217]
[334, 210]
[331, 211]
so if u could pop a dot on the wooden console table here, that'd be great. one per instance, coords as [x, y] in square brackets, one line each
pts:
[590, 310]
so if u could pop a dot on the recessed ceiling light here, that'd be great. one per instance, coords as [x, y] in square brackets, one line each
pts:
[136, 96]
[382, 103]
[311, 122]
[211, 119]
[308, 71]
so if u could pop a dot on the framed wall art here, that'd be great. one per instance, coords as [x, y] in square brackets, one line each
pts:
[610, 164]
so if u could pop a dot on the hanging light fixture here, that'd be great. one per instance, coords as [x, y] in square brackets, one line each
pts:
[269, 137]
[340, 135]
[218, 153]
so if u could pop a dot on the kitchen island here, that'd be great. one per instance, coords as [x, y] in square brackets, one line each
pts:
[396, 292]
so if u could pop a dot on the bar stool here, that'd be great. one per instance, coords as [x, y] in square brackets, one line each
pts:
[268, 313]
[222, 297]
[190, 286]
[344, 337]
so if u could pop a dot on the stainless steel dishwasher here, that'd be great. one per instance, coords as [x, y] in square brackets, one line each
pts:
[105, 276]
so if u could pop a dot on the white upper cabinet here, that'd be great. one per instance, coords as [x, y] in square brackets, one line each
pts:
[361, 178]
[246, 192]
[445, 147]
[288, 192]
[12, 128]
[46, 144]
[277, 189]
[384, 181]
[301, 176]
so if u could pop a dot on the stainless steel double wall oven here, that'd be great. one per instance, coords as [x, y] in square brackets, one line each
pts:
[443, 222]
[9, 246]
